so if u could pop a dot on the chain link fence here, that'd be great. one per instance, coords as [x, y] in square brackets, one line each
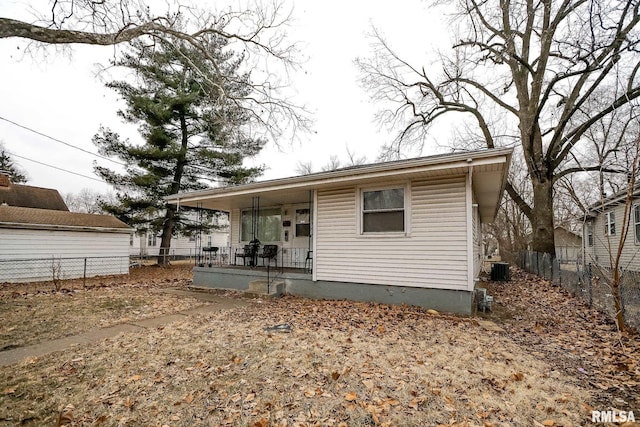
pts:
[584, 282]
[56, 269]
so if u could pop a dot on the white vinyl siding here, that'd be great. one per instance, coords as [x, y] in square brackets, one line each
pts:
[47, 245]
[636, 224]
[235, 225]
[477, 242]
[630, 259]
[434, 255]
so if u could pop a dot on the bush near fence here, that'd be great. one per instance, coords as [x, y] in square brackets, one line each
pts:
[59, 268]
[583, 282]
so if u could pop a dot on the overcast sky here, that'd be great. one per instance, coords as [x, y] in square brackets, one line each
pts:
[61, 97]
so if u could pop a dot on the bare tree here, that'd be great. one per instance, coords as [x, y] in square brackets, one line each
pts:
[528, 69]
[259, 32]
[333, 163]
[87, 201]
[511, 227]
[304, 168]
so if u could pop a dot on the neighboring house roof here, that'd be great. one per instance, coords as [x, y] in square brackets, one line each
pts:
[566, 237]
[613, 200]
[30, 218]
[27, 196]
[489, 169]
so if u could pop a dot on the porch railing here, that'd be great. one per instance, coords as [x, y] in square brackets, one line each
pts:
[296, 258]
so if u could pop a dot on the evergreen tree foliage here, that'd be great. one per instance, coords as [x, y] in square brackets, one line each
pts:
[193, 132]
[7, 164]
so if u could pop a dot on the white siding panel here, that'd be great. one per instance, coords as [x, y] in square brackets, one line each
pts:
[600, 252]
[432, 255]
[235, 227]
[106, 253]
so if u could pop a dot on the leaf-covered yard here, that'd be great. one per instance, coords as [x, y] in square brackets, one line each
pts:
[32, 313]
[341, 363]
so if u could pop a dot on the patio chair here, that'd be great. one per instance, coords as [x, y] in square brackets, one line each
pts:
[308, 262]
[269, 252]
[245, 253]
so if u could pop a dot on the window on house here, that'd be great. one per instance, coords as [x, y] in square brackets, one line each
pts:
[589, 233]
[209, 241]
[131, 239]
[151, 239]
[636, 223]
[269, 224]
[610, 224]
[303, 223]
[383, 211]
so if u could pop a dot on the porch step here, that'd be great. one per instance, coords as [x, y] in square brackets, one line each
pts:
[260, 287]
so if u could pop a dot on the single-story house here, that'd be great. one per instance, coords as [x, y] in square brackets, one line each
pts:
[43, 243]
[406, 231]
[602, 229]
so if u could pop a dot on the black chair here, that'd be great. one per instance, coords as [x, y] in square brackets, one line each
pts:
[308, 261]
[245, 253]
[269, 252]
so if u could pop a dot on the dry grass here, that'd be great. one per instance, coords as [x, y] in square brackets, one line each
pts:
[343, 364]
[31, 313]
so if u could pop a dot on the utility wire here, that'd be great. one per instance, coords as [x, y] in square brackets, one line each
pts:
[60, 141]
[55, 167]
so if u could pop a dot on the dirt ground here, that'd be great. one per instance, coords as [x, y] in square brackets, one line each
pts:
[297, 362]
[32, 313]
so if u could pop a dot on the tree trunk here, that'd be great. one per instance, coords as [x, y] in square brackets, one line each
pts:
[170, 217]
[542, 218]
[167, 232]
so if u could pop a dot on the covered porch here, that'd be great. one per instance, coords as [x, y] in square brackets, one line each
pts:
[270, 241]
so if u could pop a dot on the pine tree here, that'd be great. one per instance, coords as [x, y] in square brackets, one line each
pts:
[193, 135]
[7, 164]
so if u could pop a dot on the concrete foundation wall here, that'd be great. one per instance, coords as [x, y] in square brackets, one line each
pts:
[301, 284]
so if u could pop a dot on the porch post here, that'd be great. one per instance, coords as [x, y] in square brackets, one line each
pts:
[314, 237]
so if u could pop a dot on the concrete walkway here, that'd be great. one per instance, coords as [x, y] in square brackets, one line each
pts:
[212, 302]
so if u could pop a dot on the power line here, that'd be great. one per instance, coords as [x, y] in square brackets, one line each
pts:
[60, 141]
[55, 167]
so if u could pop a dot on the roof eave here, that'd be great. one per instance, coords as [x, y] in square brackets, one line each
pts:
[18, 225]
[386, 170]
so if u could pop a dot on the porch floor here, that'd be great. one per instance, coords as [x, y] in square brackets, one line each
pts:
[258, 269]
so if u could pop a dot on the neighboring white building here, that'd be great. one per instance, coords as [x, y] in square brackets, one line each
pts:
[398, 232]
[602, 229]
[147, 244]
[36, 244]
[40, 239]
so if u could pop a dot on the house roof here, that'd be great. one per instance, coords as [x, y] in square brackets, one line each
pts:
[612, 200]
[27, 196]
[489, 177]
[30, 218]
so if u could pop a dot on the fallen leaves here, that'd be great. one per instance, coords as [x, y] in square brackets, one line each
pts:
[31, 313]
[343, 363]
[560, 328]
[350, 397]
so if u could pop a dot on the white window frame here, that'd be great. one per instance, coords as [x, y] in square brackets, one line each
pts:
[406, 186]
[295, 225]
[589, 226]
[609, 223]
[635, 222]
